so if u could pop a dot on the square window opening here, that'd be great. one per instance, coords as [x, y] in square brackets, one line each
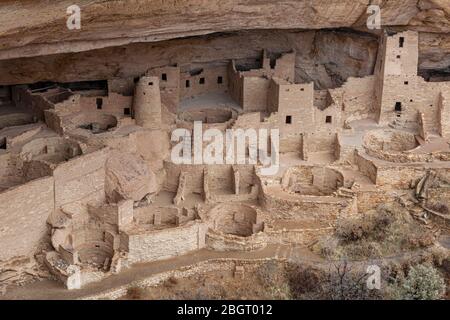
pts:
[219, 80]
[398, 107]
[288, 119]
[202, 81]
[127, 111]
[164, 77]
[99, 103]
[328, 119]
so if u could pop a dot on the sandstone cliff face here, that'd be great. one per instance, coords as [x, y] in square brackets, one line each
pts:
[326, 57]
[122, 38]
[36, 27]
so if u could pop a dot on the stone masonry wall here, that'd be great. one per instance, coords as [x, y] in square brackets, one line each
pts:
[207, 81]
[164, 244]
[255, 94]
[24, 211]
[444, 114]
[80, 178]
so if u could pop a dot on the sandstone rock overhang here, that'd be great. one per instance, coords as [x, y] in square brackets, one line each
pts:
[33, 28]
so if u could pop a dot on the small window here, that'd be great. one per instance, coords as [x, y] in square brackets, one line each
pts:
[164, 77]
[219, 80]
[99, 103]
[150, 83]
[398, 107]
[399, 56]
[136, 80]
[188, 83]
[202, 81]
[401, 42]
[288, 119]
[328, 119]
[127, 111]
[302, 89]
[406, 82]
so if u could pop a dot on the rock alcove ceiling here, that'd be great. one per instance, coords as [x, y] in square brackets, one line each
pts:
[125, 38]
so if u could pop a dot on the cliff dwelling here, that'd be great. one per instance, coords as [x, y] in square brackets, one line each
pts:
[351, 120]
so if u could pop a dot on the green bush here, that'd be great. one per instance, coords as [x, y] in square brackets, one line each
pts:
[423, 282]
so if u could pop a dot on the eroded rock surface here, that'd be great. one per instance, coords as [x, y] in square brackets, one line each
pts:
[129, 29]
[128, 177]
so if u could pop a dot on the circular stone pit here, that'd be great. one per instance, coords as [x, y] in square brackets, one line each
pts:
[234, 219]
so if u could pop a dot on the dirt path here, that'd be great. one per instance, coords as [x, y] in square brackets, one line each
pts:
[53, 290]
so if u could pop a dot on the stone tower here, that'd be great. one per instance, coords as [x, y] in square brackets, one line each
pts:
[147, 103]
[397, 80]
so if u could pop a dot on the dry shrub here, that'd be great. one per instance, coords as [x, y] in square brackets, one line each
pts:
[171, 282]
[388, 230]
[372, 225]
[347, 282]
[272, 276]
[363, 248]
[440, 255]
[270, 273]
[135, 293]
[304, 281]
[439, 207]
[341, 281]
